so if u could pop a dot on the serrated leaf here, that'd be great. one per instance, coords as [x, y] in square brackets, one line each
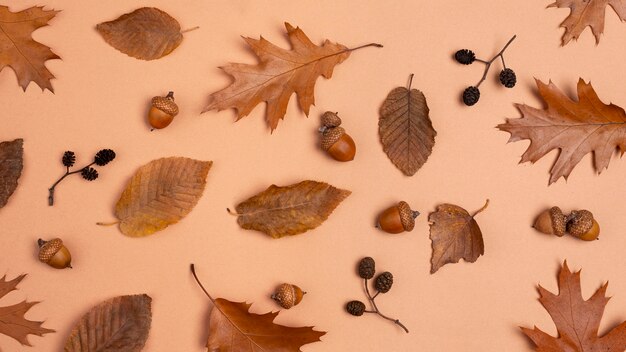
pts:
[405, 129]
[146, 33]
[161, 193]
[585, 13]
[291, 210]
[11, 164]
[120, 324]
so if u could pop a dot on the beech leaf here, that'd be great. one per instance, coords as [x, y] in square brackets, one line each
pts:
[146, 33]
[278, 75]
[585, 13]
[19, 51]
[160, 194]
[574, 128]
[455, 235]
[577, 321]
[120, 324]
[12, 320]
[11, 164]
[291, 210]
[405, 130]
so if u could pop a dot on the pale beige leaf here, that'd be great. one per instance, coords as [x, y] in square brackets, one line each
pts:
[11, 164]
[120, 324]
[161, 193]
[146, 33]
[587, 13]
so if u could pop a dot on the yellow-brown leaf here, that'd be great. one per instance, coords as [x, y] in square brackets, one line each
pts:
[11, 164]
[585, 13]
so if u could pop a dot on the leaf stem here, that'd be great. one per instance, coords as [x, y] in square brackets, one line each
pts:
[376, 310]
[189, 29]
[481, 209]
[192, 267]
[410, 81]
[108, 223]
[233, 213]
[67, 173]
[364, 46]
[488, 63]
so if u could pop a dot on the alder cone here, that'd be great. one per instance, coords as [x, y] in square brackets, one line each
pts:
[11, 164]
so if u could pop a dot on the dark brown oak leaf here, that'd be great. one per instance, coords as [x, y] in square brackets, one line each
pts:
[291, 210]
[585, 13]
[405, 130]
[12, 320]
[455, 235]
[576, 128]
[19, 51]
[11, 164]
[577, 321]
[278, 75]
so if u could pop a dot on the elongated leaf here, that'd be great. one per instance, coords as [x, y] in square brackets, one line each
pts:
[11, 164]
[291, 210]
[161, 193]
[120, 324]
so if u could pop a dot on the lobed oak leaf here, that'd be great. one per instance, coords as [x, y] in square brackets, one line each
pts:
[587, 13]
[577, 321]
[11, 164]
[279, 74]
[574, 128]
[19, 51]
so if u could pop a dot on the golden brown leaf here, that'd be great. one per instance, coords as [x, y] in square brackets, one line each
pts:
[12, 321]
[577, 321]
[454, 234]
[161, 193]
[405, 130]
[585, 13]
[146, 33]
[120, 324]
[575, 128]
[291, 210]
[19, 51]
[279, 74]
[11, 164]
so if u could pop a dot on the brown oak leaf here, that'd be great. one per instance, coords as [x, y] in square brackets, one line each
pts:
[12, 320]
[19, 51]
[11, 164]
[585, 13]
[577, 321]
[405, 130]
[279, 74]
[575, 128]
[291, 210]
[455, 235]
[119, 324]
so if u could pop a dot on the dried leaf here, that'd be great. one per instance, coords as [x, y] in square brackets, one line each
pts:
[146, 33]
[585, 13]
[19, 51]
[279, 74]
[12, 320]
[291, 210]
[454, 234]
[575, 128]
[161, 193]
[11, 164]
[405, 130]
[577, 321]
[120, 324]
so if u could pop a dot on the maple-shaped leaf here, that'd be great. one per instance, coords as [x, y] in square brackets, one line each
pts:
[577, 321]
[19, 51]
[575, 128]
[278, 75]
[585, 13]
[12, 320]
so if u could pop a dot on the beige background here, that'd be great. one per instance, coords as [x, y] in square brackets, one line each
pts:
[100, 100]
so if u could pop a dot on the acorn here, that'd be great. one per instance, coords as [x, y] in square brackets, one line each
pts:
[162, 111]
[288, 295]
[398, 218]
[551, 222]
[54, 253]
[334, 139]
[581, 224]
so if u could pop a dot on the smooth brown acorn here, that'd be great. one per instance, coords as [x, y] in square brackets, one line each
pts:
[54, 253]
[162, 111]
[551, 222]
[581, 224]
[334, 139]
[288, 295]
[398, 218]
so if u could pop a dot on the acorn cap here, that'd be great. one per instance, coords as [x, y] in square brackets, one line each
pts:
[331, 119]
[407, 216]
[166, 104]
[558, 221]
[47, 249]
[330, 136]
[579, 222]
